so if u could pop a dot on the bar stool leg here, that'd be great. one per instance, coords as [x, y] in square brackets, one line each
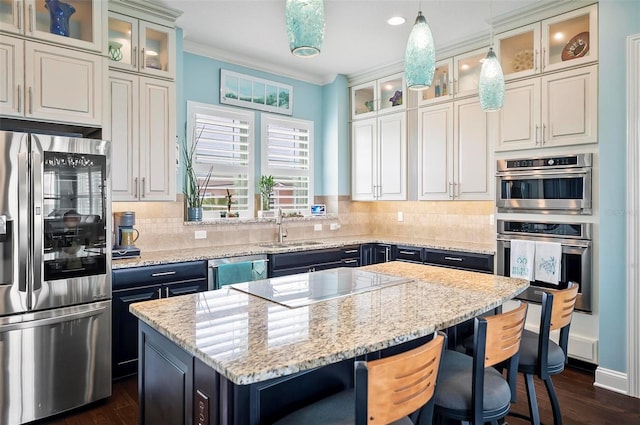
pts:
[555, 406]
[531, 400]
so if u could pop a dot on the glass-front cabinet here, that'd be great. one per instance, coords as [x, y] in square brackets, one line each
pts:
[441, 88]
[140, 46]
[563, 41]
[467, 72]
[379, 96]
[76, 23]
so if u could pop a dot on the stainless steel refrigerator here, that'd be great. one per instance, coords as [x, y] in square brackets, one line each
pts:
[55, 274]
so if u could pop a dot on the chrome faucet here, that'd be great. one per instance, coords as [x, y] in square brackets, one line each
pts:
[282, 233]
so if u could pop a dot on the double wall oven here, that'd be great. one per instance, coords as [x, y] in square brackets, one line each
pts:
[535, 199]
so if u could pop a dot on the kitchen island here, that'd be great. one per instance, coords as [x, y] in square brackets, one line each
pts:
[228, 357]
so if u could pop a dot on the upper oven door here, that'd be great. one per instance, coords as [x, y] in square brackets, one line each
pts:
[555, 191]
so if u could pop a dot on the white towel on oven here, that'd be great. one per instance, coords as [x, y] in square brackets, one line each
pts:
[548, 262]
[522, 259]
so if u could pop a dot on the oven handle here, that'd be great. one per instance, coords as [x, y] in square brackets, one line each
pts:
[557, 173]
[574, 243]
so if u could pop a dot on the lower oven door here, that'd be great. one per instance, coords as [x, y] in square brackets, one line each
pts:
[576, 267]
[568, 192]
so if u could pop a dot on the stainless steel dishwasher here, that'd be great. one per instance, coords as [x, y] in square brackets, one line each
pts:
[225, 271]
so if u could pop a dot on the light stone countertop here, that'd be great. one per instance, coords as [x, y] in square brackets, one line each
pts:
[226, 251]
[249, 339]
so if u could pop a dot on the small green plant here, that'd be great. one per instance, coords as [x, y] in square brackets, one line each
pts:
[266, 187]
[194, 189]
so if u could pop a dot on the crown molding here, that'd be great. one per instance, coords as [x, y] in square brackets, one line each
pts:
[148, 10]
[252, 63]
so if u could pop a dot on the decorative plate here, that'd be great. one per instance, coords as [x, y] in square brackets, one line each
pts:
[523, 60]
[577, 47]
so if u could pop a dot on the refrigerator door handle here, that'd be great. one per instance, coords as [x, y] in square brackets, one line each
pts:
[36, 188]
[22, 230]
[29, 324]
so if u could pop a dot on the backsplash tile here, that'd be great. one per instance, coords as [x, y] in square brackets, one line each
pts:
[161, 224]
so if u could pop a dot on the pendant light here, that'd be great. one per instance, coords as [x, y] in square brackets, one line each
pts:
[305, 26]
[420, 56]
[491, 83]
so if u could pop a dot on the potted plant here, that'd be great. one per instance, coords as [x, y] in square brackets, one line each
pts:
[194, 188]
[266, 188]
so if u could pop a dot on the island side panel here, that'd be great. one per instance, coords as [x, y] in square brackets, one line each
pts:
[165, 379]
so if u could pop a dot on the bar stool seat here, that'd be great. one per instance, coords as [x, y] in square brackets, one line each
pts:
[337, 409]
[454, 387]
[529, 355]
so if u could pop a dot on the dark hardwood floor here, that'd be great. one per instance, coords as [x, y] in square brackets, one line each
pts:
[580, 401]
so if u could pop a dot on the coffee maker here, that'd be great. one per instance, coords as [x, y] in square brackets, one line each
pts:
[124, 235]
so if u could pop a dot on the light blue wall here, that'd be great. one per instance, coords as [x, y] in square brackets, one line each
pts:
[617, 20]
[200, 79]
[336, 169]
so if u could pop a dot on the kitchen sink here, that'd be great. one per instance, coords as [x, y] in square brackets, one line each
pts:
[288, 244]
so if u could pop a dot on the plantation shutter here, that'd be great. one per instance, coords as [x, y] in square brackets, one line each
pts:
[287, 156]
[224, 139]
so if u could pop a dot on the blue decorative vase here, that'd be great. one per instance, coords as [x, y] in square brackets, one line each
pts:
[194, 214]
[60, 13]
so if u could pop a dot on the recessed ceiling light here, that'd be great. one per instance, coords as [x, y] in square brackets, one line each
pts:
[396, 20]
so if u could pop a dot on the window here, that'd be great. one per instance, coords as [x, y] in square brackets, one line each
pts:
[224, 144]
[287, 155]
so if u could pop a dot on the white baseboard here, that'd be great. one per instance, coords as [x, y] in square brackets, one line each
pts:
[612, 380]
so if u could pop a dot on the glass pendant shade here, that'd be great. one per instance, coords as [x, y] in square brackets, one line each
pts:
[491, 83]
[420, 56]
[305, 26]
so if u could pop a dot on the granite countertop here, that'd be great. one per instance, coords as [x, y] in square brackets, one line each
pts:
[249, 339]
[195, 254]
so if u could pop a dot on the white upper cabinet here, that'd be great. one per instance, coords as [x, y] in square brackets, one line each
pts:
[442, 87]
[379, 158]
[466, 70]
[44, 82]
[454, 152]
[139, 46]
[76, 23]
[379, 96]
[557, 109]
[563, 41]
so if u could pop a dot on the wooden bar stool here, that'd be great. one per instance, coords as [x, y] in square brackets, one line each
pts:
[394, 390]
[470, 389]
[542, 357]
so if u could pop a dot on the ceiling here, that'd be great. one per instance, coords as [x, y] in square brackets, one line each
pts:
[357, 37]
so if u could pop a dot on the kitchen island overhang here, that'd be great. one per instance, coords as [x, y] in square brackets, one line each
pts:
[247, 341]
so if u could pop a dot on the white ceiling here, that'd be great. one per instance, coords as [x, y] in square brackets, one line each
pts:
[357, 38]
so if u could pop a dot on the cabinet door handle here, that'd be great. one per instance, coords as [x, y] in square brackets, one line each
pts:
[450, 190]
[535, 60]
[159, 292]
[30, 18]
[163, 274]
[135, 56]
[536, 135]
[19, 98]
[142, 58]
[408, 252]
[544, 127]
[350, 261]
[30, 101]
[144, 188]
[453, 258]
[350, 251]
[19, 14]
[166, 292]
[135, 187]
[544, 53]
